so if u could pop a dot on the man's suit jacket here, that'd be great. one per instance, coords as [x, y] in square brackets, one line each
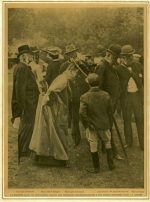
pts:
[109, 80]
[52, 71]
[125, 74]
[96, 109]
[25, 90]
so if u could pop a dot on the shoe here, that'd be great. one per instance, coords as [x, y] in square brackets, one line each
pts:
[111, 167]
[127, 146]
[118, 157]
[67, 166]
[93, 170]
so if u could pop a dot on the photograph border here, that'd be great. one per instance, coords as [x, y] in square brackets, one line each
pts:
[5, 98]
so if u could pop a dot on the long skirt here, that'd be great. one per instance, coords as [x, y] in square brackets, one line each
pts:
[49, 143]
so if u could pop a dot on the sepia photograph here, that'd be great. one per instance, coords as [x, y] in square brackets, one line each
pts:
[75, 94]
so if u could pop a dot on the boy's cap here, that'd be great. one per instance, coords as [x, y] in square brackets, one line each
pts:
[92, 79]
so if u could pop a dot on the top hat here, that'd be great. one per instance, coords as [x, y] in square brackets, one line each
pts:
[92, 79]
[23, 49]
[127, 50]
[115, 49]
[70, 48]
[34, 49]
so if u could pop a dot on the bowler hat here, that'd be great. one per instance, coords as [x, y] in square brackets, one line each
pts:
[115, 49]
[101, 49]
[127, 50]
[92, 79]
[70, 48]
[23, 49]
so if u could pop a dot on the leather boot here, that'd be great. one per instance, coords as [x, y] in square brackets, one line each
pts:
[110, 159]
[95, 159]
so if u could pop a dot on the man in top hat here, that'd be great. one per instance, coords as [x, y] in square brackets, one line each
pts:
[78, 87]
[131, 98]
[96, 112]
[24, 99]
[54, 66]
[109, 81]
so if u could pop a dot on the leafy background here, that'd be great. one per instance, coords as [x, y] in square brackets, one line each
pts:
[84, 27]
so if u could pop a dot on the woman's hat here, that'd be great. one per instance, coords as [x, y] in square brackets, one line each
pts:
[70, 48]
[53, 50]
[115, 49]
[23, 49]
[127, 50]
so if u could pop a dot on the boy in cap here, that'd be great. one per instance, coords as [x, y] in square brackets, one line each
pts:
[96, 116]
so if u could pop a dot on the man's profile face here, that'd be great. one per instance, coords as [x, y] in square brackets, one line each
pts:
[128, 59]
[110, 57]
[27, 57]
[36, 58]
[73, 55]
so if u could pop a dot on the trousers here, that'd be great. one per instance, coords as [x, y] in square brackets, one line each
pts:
[132, 102]
[92, 135]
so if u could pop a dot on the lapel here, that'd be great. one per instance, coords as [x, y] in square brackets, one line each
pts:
[111, 68]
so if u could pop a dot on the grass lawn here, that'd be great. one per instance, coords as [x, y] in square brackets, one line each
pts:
[31, 175]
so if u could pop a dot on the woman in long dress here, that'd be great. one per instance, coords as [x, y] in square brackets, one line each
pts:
[49, 143]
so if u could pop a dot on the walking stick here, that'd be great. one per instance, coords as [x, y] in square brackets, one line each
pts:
[119, 136]
[79, 67]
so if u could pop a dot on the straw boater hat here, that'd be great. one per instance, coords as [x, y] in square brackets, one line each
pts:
[35, 50]
[53, 50]
[70, 48]
[23, 49]
[88, 55]
[127, 50]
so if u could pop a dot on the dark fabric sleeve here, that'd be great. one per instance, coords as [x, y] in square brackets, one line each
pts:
[110, 111]
[48, 74]
[20, 86]
[63, 67]
[84, 67]
[100, 71]
[83, 113]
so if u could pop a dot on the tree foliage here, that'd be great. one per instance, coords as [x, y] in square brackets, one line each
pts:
[84, 27]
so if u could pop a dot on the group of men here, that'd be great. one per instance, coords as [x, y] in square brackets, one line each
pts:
[95, 92]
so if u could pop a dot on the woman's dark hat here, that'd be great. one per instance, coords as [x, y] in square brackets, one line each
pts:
[127, 50]
[23, 49]
[70, 48]
[115, 49]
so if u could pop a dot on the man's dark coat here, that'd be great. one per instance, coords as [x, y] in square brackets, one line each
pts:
[109, 80]
[25, 93]
[52, 71]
